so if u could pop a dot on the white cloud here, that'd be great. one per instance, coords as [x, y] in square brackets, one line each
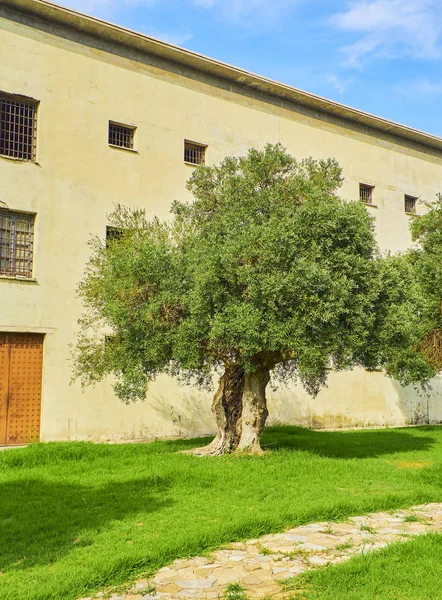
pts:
[391, 28]
[236, 9]
[108, 8]
[340, 84]
[259, 14]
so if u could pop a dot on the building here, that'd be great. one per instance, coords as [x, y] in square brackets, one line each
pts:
[92, 114]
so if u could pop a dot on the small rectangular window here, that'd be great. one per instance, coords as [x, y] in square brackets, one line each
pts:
[113, 234]
[18, 127]
[16, 244]
[366, 193]
[121, 136]
[410, 204]
[195, 154]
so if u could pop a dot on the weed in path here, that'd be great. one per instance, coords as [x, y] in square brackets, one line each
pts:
[345, 546]
[299, 553]
[368, 529]
[415, 519]
[265, 551]
[235, 591]
[328, 530]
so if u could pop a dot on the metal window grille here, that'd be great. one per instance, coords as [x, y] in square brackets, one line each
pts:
[121, 136]
[18, 127]
[366, 193]
[410, 204]
[16, 244]
[194, 153]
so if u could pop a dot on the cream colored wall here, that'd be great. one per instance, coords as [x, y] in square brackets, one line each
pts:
[357, 399]
[78, 178]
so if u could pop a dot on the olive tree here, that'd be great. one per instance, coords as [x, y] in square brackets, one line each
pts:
[267, 272]
[282, 276]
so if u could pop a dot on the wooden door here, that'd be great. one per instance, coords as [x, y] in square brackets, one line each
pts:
[21, 362]
[4, 385]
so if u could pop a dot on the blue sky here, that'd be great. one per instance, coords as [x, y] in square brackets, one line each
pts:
[381, 56]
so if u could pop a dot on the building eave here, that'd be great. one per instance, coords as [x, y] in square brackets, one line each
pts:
[131, 39]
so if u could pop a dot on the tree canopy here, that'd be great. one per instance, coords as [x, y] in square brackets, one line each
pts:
[426, 259]
[266, 270]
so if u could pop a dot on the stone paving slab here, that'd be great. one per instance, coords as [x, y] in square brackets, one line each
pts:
[261, 564]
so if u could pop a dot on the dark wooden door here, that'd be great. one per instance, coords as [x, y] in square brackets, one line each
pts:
[4, 385]
[21, 363]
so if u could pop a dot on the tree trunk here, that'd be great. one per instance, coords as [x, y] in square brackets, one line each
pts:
[254, 410]
[227, 410]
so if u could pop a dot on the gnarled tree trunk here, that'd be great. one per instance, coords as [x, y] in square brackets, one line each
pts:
[227, 410]
[254, 410]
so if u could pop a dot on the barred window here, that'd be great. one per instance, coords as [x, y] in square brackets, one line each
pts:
[366, 193]
[16, 244]
[18, 127]
[194, 154]
[410, 204]
[121, 135]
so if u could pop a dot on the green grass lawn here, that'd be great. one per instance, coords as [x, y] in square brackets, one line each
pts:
[78, 517]
[410, 571]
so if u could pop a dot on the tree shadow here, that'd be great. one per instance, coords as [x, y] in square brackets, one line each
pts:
[40, 521]
[333, 444]
[347, 444]
[186, 444]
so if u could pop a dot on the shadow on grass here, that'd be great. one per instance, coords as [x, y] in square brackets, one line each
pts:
[334, 444]
[40, 521]
[348, 444]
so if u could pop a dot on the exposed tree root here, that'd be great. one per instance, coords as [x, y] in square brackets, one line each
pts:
[227, 410]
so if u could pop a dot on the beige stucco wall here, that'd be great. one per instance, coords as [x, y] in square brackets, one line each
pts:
[78, 178]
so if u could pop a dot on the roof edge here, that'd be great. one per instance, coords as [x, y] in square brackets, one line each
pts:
[140, 42]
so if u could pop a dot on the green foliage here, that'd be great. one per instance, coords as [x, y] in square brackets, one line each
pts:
[402, 317]
[281, 267]
[131, 296]
[267, 266]
[427, 263]
[412, 519]
[427, 256]
[407, 337]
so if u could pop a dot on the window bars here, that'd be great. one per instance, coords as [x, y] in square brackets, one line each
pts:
[194, 154]
[16, 244]
[18, 127]
[410, 204]
[121, 136]
[366, 193]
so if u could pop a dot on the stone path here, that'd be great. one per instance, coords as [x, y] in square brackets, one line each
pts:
[260, 564]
